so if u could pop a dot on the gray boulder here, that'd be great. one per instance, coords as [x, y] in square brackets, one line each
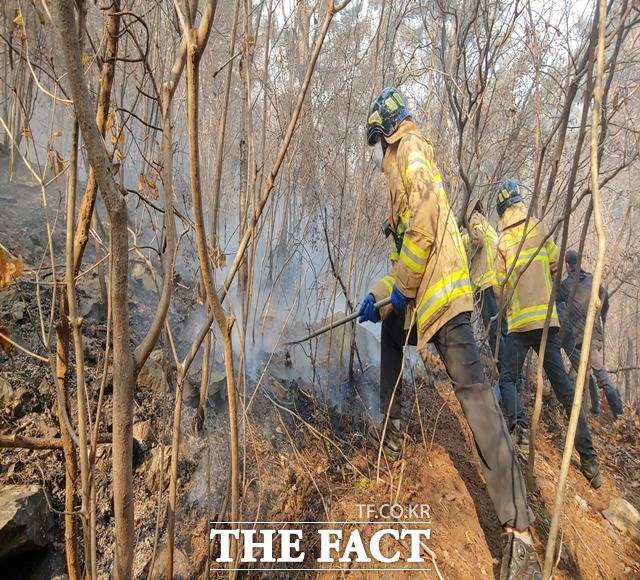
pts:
[624, 517]
[26, 523]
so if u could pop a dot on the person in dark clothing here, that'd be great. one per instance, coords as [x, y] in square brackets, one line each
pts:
[573, 313]
[569, 347]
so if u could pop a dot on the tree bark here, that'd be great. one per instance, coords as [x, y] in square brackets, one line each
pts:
[70, 461]
[40, 443]
[123, 363]
[107, 72]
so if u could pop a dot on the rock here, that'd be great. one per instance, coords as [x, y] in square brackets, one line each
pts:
[611, 532]
[142, 434]
[151, 375]
[47, 563]
[17, 311]
[6, 394]
[182, 569]
[26, 524]
[217, 382]
[19, 404]
[624, 517]
[154, 470]
[141, 274]
[582, 503]
[89, 298]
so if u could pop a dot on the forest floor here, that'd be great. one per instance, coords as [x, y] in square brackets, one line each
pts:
[305, 456]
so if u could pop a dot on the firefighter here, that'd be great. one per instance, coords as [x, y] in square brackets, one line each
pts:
[431, 295]
[525, 263]
[480, 242]
[574, 317]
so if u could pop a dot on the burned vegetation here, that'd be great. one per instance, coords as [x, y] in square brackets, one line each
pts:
[190, 217]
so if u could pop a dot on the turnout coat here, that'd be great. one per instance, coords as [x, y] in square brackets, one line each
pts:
[431, 267]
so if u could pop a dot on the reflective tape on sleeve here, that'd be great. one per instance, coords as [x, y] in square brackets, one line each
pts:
[388, 282]
[413, 256]
[415, 162]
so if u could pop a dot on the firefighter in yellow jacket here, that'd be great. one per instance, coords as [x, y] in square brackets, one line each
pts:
[480, 242]
[431, 295]
[525, 262]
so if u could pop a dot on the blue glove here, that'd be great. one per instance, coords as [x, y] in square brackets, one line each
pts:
[398, 300]
[368, 311]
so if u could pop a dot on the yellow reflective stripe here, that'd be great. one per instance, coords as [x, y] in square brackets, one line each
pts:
[525, 255]
[443, 292]
[553, 254]
[415, 249]
[519, 318]
[412, 262]
[388, 282]
[437, 177]
[403, 222]
[488, 276]
[415, 165]
[415, 162]
[393, 255]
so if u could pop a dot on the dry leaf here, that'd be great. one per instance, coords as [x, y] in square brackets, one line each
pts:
[119, 155]
[86, 59]
[152, 186]
[111, 117]
[117, 139]
[9, 269]
[55, 162]
[18, 20]
[5, 345]
[57, 134]
[141, 184]
[25, 132]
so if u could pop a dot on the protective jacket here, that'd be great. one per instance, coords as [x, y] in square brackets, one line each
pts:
[576, 316]
[480, 243]
[524, 277]
[431, 266]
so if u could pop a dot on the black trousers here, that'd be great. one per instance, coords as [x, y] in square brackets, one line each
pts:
[570, 350]
[488, 309]
[517, 347]
[598, 378]
[457, 346]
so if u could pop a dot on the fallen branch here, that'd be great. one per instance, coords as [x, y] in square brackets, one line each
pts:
[24, 442]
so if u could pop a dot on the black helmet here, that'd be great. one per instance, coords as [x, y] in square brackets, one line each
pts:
[508, 194]
[386, 114]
